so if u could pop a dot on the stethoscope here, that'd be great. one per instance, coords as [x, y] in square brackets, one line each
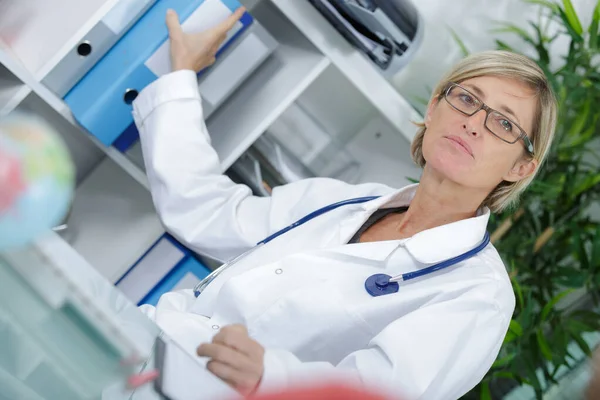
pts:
[376, 285]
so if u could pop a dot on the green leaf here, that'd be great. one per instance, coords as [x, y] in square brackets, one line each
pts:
[511, 28]
[501, 362]
[486, 394]
[588, 183]
[570, 277]
[500, 45]
[543, 344]
[593, 29]
[548, 307]
[572, 17]
[595, 258]
[510, 337]
[515, 328]
[581, 343]
[463, 49]
[570, 29]
[581, 119]
[589, 318]
[545, 3]
[518, 291]
[504, 375]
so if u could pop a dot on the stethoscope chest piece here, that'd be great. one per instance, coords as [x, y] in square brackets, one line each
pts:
[379, 285]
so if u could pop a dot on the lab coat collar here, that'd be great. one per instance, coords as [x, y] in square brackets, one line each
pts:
[433, 245]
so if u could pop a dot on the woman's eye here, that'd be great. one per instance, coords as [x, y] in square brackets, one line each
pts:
[506, 125]
[467, 99]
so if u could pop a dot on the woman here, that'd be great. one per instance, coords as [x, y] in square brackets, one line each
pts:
[297, 308]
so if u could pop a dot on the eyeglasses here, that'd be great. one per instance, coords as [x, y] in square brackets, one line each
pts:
[497, 123]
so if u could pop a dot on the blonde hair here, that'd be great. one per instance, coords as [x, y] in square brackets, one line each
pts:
[523, 69]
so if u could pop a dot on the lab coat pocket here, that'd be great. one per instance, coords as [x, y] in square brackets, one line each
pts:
[313, 322]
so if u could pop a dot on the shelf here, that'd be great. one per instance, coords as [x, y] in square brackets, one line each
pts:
[85, 148]
[12, 91]
[357, 68]
[39, 31]
[112, 222]
[281, 79]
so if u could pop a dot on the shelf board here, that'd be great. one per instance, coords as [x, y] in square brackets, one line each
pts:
[12, 93]
[356, 67]
[112, 222]
[282, 78]
[56, 111]
[39, 32]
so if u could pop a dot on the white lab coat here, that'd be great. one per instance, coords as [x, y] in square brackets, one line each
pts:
[302, 296]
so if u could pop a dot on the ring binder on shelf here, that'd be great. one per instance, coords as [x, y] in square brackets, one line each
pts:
[165, 267]
[101, 100]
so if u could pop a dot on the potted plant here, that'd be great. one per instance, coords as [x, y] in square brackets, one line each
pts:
[550, 243]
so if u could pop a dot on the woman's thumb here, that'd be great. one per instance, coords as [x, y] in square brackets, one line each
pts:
[173, 25]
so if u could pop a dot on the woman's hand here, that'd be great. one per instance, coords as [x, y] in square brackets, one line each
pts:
[235, 358]
[197, 51]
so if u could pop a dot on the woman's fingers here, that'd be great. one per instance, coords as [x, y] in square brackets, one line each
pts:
[225, 355]
[242, 381]
[174, 27]
[235, 357]
[236, 336]
[230, 22]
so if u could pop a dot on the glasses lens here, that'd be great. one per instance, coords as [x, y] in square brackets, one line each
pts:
[462, 100]
[503, 127]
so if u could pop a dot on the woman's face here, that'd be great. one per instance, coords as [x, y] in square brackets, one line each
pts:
[461, 149]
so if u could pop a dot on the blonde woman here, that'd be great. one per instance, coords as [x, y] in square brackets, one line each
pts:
[322, 300]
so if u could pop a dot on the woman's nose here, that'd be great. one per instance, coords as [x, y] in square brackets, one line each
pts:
[475, 124]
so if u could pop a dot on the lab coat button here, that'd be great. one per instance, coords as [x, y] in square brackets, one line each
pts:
[215, 327]
[278, 271]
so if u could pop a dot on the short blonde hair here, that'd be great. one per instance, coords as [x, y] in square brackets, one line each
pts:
[514, 66]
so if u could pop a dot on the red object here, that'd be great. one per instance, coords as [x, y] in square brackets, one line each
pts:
[12, 183]
[138, 380]
[327, 392]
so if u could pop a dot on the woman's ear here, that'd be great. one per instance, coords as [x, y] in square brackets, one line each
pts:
[522, 169]
[430, 109]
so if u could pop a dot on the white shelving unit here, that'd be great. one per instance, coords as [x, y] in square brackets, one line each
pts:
[312, 67]
[352, 64]
[279, 82]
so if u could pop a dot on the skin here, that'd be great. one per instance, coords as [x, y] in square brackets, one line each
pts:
[453, 185]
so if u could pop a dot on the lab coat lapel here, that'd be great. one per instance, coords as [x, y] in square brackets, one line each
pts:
[359, 213]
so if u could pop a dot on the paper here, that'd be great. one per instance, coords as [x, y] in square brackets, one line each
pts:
[150, 270]
[210, 13]
[222, 81]
[189, 281]
[184, 377]
[119, 17]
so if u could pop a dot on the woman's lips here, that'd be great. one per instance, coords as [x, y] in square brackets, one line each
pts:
[461, 144]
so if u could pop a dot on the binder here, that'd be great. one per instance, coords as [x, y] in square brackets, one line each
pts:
[94, 43]
[165, 267]
[101, 100]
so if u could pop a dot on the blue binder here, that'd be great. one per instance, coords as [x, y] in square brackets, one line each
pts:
[144, 282]
[98, 100]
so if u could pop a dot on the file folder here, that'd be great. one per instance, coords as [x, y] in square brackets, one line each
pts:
[101, 100]
[165, 267]
[93, 44]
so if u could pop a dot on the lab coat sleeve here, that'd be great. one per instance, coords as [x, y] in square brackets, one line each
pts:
[199, 205]
[438, 352]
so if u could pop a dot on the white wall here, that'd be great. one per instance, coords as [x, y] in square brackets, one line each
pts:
[473, 21]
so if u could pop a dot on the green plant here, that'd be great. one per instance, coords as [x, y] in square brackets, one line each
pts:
[550, 244]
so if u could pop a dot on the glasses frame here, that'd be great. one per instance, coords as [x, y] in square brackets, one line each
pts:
[523, 136]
